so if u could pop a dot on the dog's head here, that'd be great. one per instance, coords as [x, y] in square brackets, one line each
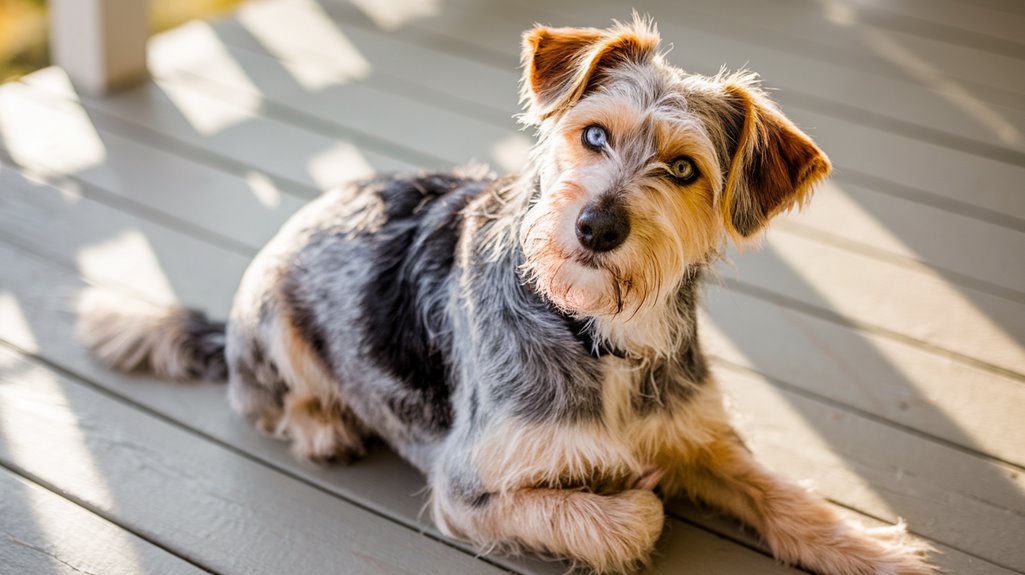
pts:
[645, 170]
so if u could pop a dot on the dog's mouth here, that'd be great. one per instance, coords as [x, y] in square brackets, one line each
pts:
[587, 259]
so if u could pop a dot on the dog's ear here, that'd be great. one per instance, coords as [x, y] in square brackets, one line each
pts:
[561, 64]
[773, 166]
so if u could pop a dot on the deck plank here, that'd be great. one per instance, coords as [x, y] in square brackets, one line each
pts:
[820, 30]
[966, 23]
[989, 501]
[957, 246]
[232, 130]
[44, 533]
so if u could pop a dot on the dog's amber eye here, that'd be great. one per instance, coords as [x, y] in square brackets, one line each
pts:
[683, 170]
[595, 137]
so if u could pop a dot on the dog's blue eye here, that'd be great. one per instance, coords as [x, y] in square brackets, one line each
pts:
[594, 137]
[683, 170]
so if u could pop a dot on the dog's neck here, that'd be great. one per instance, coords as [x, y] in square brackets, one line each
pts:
[684, 340]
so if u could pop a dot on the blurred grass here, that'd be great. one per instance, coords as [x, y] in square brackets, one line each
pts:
[24, 29]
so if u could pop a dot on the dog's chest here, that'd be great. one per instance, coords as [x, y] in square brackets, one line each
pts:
[637, 431]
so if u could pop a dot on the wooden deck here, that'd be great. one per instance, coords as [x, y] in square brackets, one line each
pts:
[875, 346]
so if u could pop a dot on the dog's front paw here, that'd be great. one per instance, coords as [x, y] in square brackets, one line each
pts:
[856, 550]
[624, 534]
[890, 550]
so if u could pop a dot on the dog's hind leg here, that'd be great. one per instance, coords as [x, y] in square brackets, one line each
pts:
[799, 528]
[607, 533]
[315, 417]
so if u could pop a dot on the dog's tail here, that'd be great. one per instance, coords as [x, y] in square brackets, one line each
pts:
[172, 342]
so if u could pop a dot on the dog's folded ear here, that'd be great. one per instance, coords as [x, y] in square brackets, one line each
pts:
[562, 64]
[774, 165]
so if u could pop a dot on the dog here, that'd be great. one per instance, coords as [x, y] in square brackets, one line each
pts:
[530, 342]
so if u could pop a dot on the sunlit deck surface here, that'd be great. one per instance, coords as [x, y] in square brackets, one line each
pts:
[873, 347]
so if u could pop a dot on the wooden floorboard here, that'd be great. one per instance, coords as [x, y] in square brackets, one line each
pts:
[813, 27]
[963, 23]
[874, 346]
[42, 533]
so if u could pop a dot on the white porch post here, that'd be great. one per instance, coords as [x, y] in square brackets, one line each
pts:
[100, 43]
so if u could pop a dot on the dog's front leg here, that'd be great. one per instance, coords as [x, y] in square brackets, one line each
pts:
[606, 533]
[799, 527]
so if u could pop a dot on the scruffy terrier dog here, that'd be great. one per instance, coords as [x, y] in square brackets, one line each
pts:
[530, 342]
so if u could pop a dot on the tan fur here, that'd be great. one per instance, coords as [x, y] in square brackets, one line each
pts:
[799, 527]
[784, 162]
[560, 62]
[315, 419]
[606, 533]
[319, 431]
[518, 454]
[695, 453]
[671, 228]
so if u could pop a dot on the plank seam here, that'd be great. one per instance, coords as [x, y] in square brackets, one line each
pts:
[39, 482]
[916, 534]
[829, 315]
[819, 398]
[854, 246]
[924, 197]
[884, 122]
[912, 25]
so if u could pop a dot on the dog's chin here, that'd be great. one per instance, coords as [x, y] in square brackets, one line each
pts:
[583, 289]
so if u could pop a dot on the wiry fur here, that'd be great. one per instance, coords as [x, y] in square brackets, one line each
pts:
[172, 342]
[544, 387]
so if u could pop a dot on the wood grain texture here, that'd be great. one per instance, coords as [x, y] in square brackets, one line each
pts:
[835, 34]
[43, 533]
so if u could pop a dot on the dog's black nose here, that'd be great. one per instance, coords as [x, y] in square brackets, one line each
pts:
[602, 226]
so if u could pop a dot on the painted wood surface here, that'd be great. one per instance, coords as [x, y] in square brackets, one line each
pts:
[41, 533]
